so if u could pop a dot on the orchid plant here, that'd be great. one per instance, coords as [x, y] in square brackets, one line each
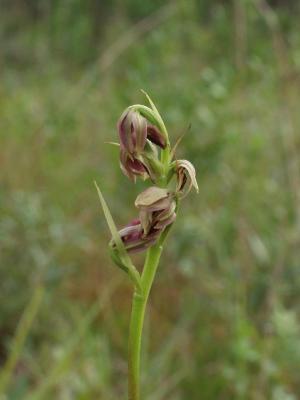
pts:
[146, 153]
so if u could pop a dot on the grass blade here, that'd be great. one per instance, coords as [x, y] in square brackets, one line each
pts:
[22, 332]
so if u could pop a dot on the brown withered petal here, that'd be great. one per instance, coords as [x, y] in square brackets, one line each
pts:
[161, 224]
[146, 221]
[163, 218]
[151, 197]
[165, 214]
[159, 205]
[157, 210]
[185, 173]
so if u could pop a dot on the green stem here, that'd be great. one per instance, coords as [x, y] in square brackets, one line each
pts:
[140, 297]
[139, 303]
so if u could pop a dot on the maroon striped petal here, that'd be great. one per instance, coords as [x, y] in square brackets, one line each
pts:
[132, 128]
[131, 166]
[156, 137]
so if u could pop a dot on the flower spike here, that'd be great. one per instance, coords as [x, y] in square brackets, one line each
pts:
[146, 152]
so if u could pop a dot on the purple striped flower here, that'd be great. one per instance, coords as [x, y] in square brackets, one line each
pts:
[157, 211]
[136, 153]
[133, 237]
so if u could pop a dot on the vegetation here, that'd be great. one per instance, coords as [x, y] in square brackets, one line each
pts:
[229, 281]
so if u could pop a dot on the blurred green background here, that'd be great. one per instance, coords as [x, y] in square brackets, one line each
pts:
[223, 321]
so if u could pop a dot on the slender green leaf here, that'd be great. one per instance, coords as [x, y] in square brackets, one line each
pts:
[134, 274]
[111, 225]
[21, 335]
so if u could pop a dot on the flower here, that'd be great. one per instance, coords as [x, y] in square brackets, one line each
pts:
[157, 210]
[138, 156]
[133, 237]
[186, 173]
[132, 166]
